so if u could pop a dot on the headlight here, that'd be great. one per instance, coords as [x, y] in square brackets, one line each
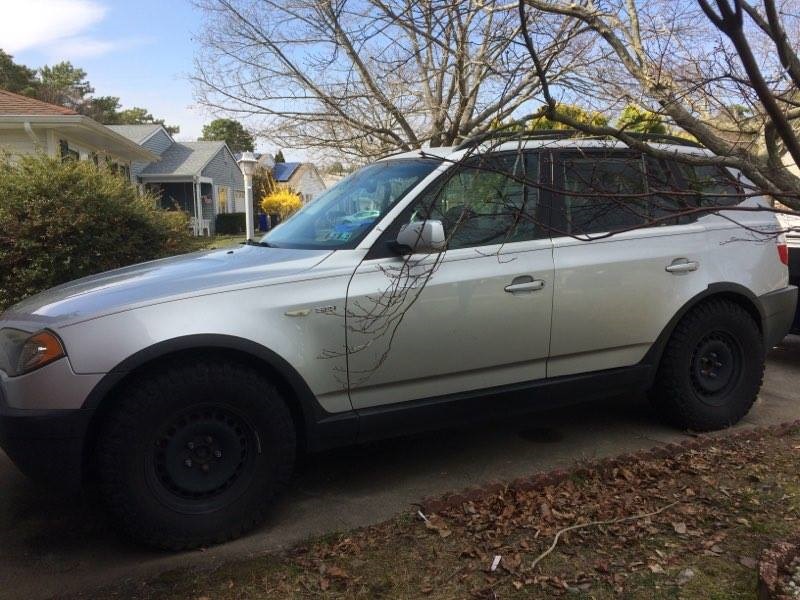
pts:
[22, 352]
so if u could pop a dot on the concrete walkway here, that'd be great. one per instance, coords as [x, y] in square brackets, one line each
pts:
[52, 545]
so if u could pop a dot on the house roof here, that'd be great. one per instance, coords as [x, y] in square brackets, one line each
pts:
[284, 171]
[136, 133]
[184, 159]
[15, 104]
[18, 112]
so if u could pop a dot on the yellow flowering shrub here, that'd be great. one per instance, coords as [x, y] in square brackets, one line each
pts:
[283, 201]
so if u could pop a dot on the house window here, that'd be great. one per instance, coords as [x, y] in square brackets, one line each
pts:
[238, 196]
[66, 152]
[122, 170]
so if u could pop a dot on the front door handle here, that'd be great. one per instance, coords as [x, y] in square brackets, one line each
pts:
[526, 283]
[682, 265]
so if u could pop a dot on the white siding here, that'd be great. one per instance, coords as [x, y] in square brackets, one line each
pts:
[307, 182]
[17, 142]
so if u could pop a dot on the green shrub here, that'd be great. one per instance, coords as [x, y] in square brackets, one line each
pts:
[64, 220]
[230, 223]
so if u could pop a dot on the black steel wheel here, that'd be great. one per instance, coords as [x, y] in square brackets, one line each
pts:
[193, 452]
[716, 367]
[712, 367]
[202, 454]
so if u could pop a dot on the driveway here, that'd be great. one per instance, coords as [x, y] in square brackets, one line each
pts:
[52, 544]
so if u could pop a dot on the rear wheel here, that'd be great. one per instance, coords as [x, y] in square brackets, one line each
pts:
[712, 367]
[194, 451]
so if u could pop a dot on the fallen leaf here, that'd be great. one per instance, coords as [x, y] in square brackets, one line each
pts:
[336, 573]
[680, 528]
[435, 523]
[684, 576]
[655, 568]
[749, 562]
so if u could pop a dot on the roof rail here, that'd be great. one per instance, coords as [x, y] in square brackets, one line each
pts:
[561, 134]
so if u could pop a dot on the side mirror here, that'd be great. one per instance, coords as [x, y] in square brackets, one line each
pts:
[421, 237]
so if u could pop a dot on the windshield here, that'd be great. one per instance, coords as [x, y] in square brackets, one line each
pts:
[343, 215]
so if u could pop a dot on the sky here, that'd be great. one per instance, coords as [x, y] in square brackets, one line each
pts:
[141, 51]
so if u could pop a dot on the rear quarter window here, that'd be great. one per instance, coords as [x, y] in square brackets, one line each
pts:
[711, 186]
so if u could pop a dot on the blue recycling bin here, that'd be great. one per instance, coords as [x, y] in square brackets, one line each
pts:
[262, 222]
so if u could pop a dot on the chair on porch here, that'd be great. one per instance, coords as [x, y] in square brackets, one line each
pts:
[200, 226]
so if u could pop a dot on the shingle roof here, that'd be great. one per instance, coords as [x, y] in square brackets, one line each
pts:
[14, 104]
[284, 171]
[184, 158]
[136, 133]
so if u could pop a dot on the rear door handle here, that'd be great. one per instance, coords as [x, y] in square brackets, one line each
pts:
[526, 283]
[683, 265]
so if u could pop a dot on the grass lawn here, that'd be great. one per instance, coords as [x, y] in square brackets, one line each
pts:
[717, 507]
[216, 241]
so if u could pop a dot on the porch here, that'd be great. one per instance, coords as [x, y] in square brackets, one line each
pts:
[196, 198]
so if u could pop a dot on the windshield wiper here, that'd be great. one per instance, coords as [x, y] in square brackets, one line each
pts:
[257, 243]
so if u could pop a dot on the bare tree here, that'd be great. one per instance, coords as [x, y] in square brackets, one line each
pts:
[370, 77]
[725, 71]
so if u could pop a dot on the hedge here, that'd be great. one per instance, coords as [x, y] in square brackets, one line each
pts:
[230, 223]
[61, 220]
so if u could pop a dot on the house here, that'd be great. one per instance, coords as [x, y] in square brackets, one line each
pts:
[302, 177]
[28, 126]
[201, 178]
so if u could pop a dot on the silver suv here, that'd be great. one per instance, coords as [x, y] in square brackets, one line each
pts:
[425, 289]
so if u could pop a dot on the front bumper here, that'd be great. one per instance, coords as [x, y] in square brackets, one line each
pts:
[46, 445]
[778, 310]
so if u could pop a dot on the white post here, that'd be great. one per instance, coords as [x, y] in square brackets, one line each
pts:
[198, 207]
[248, 207]
[247, 163]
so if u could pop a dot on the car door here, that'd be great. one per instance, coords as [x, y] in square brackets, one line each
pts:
[623, 264]
[472, 317]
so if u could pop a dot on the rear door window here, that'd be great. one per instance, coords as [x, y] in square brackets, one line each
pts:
[601, 193]
[670, 203]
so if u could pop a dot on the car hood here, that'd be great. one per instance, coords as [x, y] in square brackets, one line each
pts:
[160, 280]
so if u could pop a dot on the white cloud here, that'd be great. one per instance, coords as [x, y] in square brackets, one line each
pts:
[82, 47]
[86, 47]
[38, 24]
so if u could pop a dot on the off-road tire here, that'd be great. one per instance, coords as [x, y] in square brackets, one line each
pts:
[684, 392]
[218, 408]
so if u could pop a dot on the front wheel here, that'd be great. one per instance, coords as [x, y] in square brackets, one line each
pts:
[711, 369]
[193, 452]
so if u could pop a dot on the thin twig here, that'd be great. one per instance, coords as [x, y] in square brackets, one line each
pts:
[552, 547]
